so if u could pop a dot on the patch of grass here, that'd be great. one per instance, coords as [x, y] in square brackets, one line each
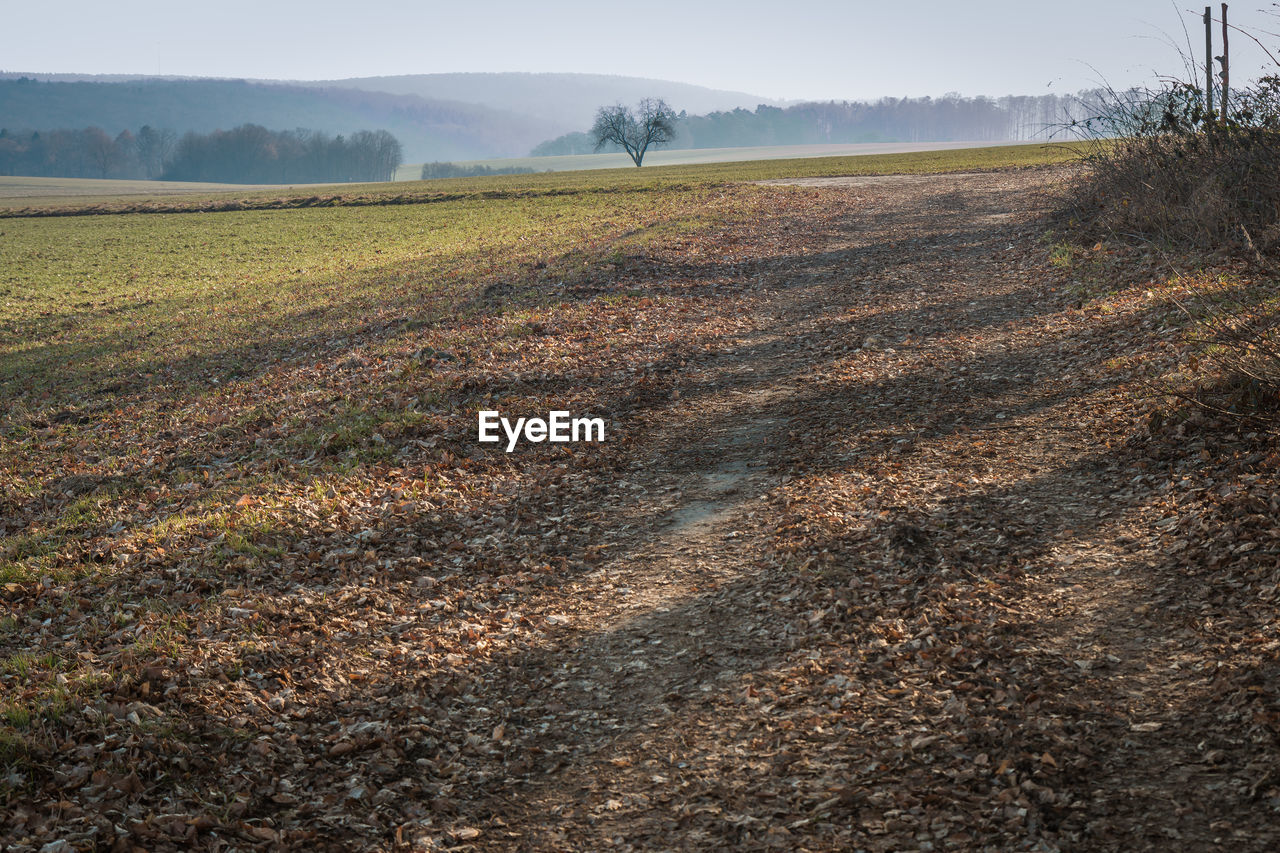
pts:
[236, 543]
[12, 748]
[29, 556]
[355, 429]
[1062, 255]
[36, 688]
[22, 663]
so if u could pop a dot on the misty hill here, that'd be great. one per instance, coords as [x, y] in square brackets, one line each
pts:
[568, 100]
[429, 129]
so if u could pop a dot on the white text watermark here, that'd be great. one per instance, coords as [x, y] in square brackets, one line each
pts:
[558, 427]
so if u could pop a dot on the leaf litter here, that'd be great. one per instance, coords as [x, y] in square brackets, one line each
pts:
[882, 552]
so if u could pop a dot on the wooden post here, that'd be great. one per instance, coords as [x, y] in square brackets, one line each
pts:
[1226, 65]
[1208, 61]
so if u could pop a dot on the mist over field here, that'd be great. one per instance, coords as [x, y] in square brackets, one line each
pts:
[279, 132]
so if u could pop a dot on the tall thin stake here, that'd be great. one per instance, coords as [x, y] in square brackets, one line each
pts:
[1208, 60]
[1226, 65]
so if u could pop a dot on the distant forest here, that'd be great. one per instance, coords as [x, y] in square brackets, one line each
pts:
[254, 155]
[428, 129]
[951, 118]
[249, 154]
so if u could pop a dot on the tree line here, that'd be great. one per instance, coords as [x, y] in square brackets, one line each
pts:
[436, 170]
[87, 153]
[248, 154]
[252, 154]
[951, 118]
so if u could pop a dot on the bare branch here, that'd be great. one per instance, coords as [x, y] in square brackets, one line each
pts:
[652, 125]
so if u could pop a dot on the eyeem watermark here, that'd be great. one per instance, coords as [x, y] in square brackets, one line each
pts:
[558, 427]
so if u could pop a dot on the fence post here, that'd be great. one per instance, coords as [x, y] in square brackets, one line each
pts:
[1208, 60]
[1226, 64]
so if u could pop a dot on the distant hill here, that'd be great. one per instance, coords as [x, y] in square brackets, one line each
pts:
[435, 116]
[429, 129]
[568, 100]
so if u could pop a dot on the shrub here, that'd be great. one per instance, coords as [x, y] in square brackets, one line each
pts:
[1165, 169]
[1238, 368]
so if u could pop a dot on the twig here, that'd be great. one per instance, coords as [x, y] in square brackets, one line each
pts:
[1248, 242]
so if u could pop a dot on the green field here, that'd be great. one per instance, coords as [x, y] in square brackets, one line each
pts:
[76, 289]
[687, 156]
[62, 195]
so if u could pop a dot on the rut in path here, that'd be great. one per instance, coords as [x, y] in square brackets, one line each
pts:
[916, 379]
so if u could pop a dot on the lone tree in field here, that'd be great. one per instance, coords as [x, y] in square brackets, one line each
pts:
[653, 124]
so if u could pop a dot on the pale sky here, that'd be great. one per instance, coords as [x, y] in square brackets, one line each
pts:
[799, 49]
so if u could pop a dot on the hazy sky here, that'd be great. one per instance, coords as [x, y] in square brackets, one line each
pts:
[800, 49]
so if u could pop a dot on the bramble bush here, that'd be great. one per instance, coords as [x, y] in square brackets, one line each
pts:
[1164, 169]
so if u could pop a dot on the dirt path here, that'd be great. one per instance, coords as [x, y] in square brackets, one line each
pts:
[963, 646]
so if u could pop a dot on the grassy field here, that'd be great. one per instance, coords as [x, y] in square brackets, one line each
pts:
[598, 181]
[686, 156]
[92, 303]
[77, 291]
[21, 187]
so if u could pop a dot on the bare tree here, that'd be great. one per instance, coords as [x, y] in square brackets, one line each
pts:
[154, 149]
[101, 150]
[651, 125]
